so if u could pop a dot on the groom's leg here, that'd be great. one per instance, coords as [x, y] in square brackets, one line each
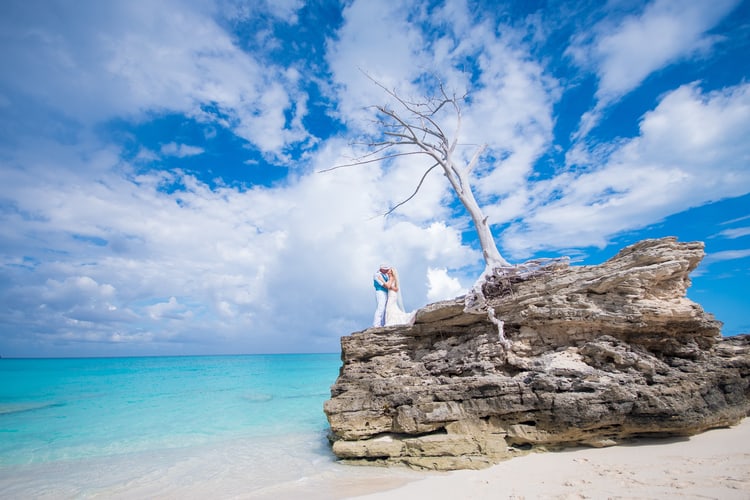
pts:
[379, 319]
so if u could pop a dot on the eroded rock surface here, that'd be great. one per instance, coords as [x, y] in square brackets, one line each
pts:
[594, 355]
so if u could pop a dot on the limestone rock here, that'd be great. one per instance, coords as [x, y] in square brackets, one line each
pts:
[595, 355]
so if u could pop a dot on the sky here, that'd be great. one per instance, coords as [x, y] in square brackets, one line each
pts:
[161, 163]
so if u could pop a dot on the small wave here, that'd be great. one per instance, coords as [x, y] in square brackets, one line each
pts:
[257, 398]
[13, 408]
[306, 396]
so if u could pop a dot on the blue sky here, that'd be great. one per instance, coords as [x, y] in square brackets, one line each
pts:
[160, 161]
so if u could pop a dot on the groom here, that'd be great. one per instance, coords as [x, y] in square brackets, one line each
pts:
[379, 280]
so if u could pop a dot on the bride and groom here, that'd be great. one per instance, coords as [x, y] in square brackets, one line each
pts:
[390, 306]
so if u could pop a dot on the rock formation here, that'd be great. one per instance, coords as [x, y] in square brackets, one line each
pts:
[585, 355]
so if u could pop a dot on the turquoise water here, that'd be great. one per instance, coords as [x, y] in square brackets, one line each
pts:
[218, 426]
[53, 409]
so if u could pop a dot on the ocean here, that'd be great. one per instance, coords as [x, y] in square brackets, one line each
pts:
[174, 427]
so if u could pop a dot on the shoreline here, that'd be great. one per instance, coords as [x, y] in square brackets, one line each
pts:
[713, 464]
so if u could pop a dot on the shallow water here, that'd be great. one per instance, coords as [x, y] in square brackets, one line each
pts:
[213, 426]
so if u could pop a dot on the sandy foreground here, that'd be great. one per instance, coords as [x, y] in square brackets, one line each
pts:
[714, 464]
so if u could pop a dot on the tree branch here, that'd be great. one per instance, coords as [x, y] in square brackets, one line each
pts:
[474, 160]
[373, 160]
[421, 181]
[414, 129]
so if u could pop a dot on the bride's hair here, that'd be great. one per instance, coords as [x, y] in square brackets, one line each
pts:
[399, 293]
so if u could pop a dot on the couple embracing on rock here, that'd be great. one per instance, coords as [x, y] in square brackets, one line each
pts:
[390, 306]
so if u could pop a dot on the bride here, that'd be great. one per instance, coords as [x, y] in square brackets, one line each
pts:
[394, 307]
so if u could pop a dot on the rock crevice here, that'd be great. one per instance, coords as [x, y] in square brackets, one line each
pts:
[594, 355]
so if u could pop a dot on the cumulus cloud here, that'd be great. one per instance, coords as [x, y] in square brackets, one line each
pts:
[171, 309]
[98, 61]
[510, 107]
[375, 40]
[442, 286]
[625, 52]
[103, 252]
[222, 268]
[692, 149]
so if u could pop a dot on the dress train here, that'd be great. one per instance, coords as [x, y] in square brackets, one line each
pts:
[394, 315]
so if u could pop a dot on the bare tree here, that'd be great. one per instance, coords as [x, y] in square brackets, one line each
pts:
[415, 128]
[419, 129]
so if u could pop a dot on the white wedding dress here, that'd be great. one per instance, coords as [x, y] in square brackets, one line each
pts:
[394, 310]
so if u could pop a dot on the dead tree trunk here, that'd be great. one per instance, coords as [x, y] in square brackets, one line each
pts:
[415, 129]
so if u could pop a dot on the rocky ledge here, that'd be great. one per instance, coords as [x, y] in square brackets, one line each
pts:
[581, 355]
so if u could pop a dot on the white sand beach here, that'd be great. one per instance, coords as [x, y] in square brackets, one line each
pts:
[714, 464]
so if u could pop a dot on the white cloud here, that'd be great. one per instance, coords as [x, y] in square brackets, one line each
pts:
[720, 256]
[737, 219]
[197, 268]
[733, 233]
[442, 286]
[510, 108]
[726, 255]
[99, 252]
[98, 61]
[666, 31]
[179, 150]
[692, 149]
[171, 309]
[376, 39]
[240, 9]
[624, 54]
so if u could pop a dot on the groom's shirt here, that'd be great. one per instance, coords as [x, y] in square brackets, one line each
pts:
[377, 278]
